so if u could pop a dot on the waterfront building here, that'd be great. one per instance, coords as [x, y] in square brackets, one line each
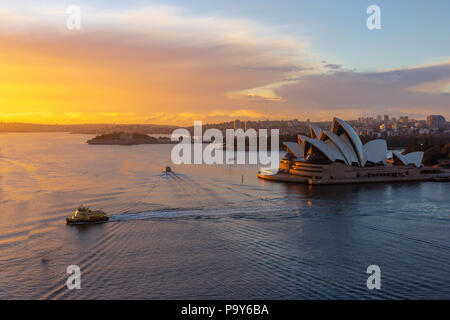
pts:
[339, 156]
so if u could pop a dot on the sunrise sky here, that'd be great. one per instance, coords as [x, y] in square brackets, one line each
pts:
[173, 62]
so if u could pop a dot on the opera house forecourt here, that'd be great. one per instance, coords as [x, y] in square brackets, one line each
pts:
[338, 156]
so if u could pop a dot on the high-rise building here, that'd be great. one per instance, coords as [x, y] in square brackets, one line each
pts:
[379, 118]
[386, 118]
[435, 121]
[404, 119]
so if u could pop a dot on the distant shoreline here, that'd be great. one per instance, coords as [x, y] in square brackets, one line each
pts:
[127, 139]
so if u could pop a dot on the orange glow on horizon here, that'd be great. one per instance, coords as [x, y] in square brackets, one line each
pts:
[103, 77]
[113, 77]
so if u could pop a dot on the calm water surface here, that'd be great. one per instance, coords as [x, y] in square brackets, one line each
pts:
[203, 234]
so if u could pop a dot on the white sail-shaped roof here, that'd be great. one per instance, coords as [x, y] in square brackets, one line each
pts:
[376, 151]
[328, 149]
[315, 131]
[343, 144]
[414, 158]
[301, 142]
[337, 153]
[295, 149]
[398, 158]
[340, 127]
[299, 139]
[343, 147]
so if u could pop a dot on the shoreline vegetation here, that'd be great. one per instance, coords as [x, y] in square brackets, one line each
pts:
[128, 139]
[436, 150]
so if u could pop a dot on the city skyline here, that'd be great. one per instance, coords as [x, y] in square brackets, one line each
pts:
[175, 62]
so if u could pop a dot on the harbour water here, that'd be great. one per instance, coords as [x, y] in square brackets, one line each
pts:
[207, 232]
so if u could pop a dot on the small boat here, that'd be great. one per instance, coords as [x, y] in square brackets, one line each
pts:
[85, 215]
[167, 169]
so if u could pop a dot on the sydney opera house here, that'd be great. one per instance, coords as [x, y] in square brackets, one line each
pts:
[338, 156]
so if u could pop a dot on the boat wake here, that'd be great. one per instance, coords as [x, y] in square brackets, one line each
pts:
[261, 209]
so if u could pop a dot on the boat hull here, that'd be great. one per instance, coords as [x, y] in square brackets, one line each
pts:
[71, 221]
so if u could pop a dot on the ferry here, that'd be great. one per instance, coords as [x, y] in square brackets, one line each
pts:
[85, 215]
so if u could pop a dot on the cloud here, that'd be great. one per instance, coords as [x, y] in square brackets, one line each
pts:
[403, 91]
[140, 61]
[333, 66]
[163, 64]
